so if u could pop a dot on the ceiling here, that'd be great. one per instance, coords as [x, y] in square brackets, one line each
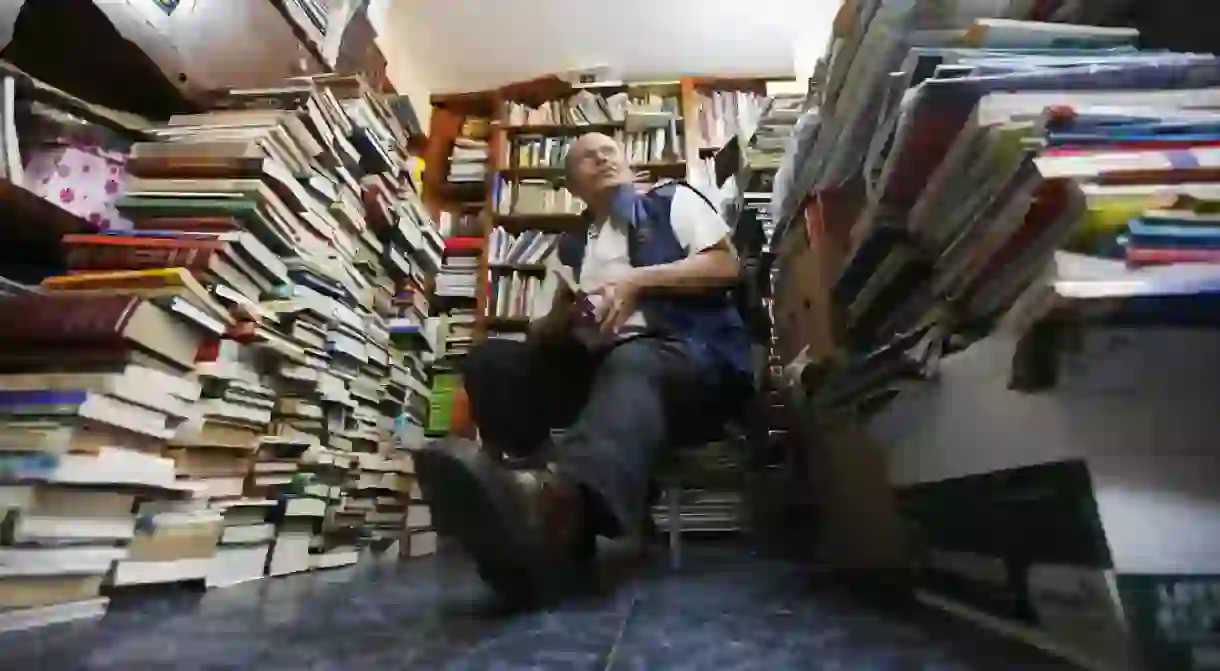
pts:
[463, 45]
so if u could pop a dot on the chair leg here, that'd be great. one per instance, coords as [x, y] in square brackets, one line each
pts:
[673, 514]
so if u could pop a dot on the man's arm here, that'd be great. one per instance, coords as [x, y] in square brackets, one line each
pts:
[711, 261]
[711, 268]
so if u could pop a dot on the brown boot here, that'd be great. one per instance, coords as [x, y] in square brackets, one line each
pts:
[521, 527]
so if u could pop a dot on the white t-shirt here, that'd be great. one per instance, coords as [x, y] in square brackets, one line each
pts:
[696, 225]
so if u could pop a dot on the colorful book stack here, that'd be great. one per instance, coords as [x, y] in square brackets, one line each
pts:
[1033, 194]
[95, 387]
[283, 227]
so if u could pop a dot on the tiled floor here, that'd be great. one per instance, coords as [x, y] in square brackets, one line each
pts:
[725, 610]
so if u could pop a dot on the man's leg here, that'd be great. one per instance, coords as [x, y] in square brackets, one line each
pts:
[519, 391]
[638, 391]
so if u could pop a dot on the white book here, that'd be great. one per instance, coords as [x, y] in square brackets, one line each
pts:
[335, 559]
[290, 554]
[248, 534]
[237, 564]
[419, 517]
[422, 544]
[305, 507]
[128, 573]
[216, 488]
[89, 560]
[33, 618]
[110, 466]
[28, 529]
[92, 406]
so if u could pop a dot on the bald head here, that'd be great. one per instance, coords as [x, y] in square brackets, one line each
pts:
[595, 164]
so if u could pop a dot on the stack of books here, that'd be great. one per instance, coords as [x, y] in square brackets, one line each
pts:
[381, 491]
[459, 224]
[1033, 212]
[459, 277]
[774, 131]
[245, 541]
[94, 388]
[467, 161]
[457, 333]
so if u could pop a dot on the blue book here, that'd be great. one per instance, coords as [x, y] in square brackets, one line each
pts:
[1140, 228]
[42, 401]
[1060, 139]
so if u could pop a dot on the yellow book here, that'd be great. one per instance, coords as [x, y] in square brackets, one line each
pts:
[157, 283]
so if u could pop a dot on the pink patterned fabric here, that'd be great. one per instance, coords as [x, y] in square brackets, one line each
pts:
[80, 177]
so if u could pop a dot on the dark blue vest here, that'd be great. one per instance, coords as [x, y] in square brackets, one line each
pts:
[709, 322]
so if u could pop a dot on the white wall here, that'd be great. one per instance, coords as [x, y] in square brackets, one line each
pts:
[406, 61]
[463, 45]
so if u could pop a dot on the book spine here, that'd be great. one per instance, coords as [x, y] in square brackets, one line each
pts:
[200, 224]
[1147, 256]
[132, 257]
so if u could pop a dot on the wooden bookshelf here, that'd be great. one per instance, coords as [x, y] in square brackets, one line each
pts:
[449, 111]
[554, 130]
[505, 324]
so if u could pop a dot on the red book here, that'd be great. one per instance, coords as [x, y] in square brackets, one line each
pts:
[464, 244]
[191, 224]
[68, 319]
[1153, 256]
[66, 323]
[116, 252]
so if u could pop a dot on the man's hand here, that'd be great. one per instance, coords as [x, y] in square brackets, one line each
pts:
[619, 300]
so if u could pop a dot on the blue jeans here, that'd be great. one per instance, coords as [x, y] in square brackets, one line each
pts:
[620, 409]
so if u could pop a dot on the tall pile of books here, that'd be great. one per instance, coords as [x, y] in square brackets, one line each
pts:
[458, 277]
[457, 332]
[94, 388]
[1027, 185]
[468, 157]
[774, 131]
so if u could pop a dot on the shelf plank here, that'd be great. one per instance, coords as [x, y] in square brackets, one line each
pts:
[534, 268]
[548, 223]
[675, 170]
[507, 324]
[562, 130]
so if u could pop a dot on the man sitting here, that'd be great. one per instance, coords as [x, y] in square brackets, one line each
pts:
[674, 360]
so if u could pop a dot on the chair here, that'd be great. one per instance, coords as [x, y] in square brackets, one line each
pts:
[687, 460]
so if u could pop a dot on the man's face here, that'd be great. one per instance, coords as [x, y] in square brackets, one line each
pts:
[597, 163]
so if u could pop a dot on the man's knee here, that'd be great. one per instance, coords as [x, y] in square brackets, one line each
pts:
[635, 358]
[492, 358]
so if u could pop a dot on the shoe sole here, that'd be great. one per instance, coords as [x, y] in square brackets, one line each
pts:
[472, 505]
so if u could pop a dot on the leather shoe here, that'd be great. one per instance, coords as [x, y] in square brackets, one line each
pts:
[523, 528]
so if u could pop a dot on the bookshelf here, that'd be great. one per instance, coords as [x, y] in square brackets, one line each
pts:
[531, 111]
